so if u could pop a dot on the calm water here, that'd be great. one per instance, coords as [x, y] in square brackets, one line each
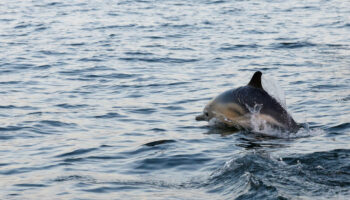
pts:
[98, 100]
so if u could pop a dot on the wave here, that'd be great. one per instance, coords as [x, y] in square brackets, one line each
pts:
[258, 175]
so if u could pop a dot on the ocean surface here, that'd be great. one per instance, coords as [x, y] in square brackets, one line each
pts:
[98, 99]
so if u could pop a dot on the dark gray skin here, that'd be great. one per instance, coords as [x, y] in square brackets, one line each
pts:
[247, 97]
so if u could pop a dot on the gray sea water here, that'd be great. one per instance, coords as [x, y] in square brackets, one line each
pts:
[98, 99]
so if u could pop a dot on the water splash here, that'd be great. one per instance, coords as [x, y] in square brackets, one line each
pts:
[274, 89]
[260, 126]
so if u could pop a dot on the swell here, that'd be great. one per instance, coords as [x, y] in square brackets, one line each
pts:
[260, 176]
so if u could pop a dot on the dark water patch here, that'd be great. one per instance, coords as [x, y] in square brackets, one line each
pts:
[4, 164]
[292, 45]
[232, 11]
[36, 113]
[145, 111]
[133, 134]
[180, 161]
[216, 2]
[346, 25]
[259, 32]
[154, 37]
[56, 4]
[181, 49]
[9, 83]
[337, 46]
[49, 5]
[16, 66]
[70, 106]
[344, 99]
[73, 160]
[81, 71]
[254, 141]
[177, 26]
[298, 82]
[328, 86]
[112, 189]
[30, 185]
[246, 57]
[113, 14]
[52, 53]
[38, 128]
[157, 130]
[159, 142]
[23, 26]
[159, 60]
[74, 178]
[5, 137]
[143, 151]
[56, 123]
[17, 107]
[77, 152]
[178, 83]
[77, 44]
[176, 36]
[124, 185]
[110, 115]
[43, 67]
[11, 128]
[173, 108]
[153, 46]
[302, 8]
[340, 128]
[6, 20]
[42, 28]
[111, 76]
[106, 157]
[190, 100]
[138, 95]
[105, 146]
[116, 26]
[236, 47]
[259, 69]
[91, 59]
[21, 170]
[154, 85]
[138, 53]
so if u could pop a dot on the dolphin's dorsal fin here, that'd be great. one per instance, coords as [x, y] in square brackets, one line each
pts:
[256, 80]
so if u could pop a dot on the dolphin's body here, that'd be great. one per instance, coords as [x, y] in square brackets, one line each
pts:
[236, 107]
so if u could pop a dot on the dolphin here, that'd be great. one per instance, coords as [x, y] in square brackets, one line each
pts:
[237, 107]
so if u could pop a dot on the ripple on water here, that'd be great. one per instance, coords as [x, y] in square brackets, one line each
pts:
[159, 142]
[71, 106]
[293, 45]
[180, 162]
[159, 60]
[110, 115]
[55, 123]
